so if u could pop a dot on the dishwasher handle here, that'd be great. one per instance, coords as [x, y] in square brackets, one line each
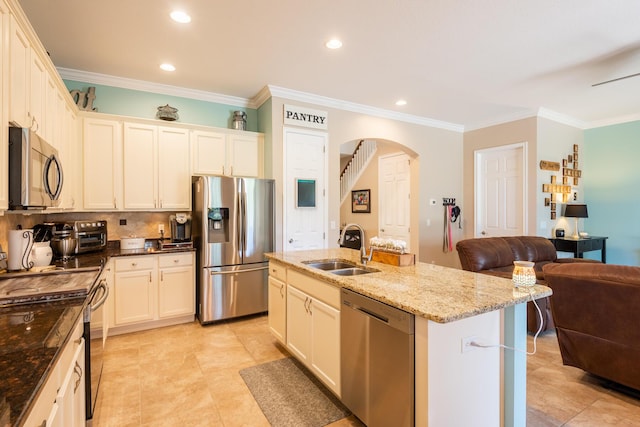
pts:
[391, 316]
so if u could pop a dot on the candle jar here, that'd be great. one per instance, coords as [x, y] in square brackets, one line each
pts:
[523, 274]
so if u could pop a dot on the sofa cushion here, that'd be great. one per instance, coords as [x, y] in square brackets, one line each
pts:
[484, 254]
[532, 248]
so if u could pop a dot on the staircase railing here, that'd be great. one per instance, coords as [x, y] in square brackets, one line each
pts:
[362, 155]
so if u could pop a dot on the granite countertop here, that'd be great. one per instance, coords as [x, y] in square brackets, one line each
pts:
[437, 293]
[37, 314]
[31, 338]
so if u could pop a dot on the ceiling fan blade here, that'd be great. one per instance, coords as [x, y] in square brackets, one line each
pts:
[615, 80]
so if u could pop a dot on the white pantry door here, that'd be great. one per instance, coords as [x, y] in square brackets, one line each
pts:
[500, 191]
[394, 182]
[305, 159]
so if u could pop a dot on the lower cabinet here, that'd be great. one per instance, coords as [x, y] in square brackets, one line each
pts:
[61, 402]
[313, 327]
[149, 289]
[278, 301]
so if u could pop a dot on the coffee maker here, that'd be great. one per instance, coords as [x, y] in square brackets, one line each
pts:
[180, 227]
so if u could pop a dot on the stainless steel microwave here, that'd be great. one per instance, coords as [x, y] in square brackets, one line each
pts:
[35, 171]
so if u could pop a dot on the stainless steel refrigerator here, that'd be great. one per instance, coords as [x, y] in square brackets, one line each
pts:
[233, 226]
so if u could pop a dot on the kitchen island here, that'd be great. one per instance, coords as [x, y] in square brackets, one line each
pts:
[451, 307]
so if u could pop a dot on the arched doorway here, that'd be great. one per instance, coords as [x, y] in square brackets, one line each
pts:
[369, 179]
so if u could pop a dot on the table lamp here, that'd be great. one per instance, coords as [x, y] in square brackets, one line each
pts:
[576, 211]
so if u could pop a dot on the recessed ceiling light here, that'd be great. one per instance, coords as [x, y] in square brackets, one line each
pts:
[167, 67]
[180, 16]
[401, 102]
[334, 44]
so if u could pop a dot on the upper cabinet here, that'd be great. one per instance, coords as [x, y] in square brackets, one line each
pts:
[4, 104]
[234, 153]
[102, 154]
[20, 69]
[156, 167]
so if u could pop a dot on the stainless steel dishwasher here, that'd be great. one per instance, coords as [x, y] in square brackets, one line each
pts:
[377, 361]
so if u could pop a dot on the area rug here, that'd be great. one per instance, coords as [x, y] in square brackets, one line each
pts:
[289, 395]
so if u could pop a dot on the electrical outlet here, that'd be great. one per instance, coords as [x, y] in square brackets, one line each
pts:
[160, 228]
[466, 344]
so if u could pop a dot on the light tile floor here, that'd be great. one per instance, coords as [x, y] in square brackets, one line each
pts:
[187, 375]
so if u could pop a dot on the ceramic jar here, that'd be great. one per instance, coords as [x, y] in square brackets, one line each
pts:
[523, 274]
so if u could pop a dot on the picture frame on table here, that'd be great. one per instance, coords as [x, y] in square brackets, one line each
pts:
[361, 201]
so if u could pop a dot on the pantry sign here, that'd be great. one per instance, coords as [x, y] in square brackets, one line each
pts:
[306, 117]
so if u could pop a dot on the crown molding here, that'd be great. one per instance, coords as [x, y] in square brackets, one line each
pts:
[324, 101]
[126, 83]
[526, 114]
[561, 118]
[613, 121]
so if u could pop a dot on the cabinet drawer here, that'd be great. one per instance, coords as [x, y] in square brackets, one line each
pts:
[135, 263]
[325, 292]
[75, 339]
[175, 260]
[278, 271]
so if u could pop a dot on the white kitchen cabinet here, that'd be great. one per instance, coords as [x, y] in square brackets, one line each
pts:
[174, 177]
[152, 291]
[134, 289]
[4, 104]
[61, 400]
[71, 156]
[278, 301]
[140, 166]
[156, 167]
[233, 154]
[71, 411]
[37, 93]
[20, 67]
[176, 290]
[244, 154]
[313, 327]
[102, 164]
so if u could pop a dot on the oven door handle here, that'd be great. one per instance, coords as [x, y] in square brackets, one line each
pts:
[102, 285]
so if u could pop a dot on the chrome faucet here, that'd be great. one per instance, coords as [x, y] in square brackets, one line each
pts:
[363, 251]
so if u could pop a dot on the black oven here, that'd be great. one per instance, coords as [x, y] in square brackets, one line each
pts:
[94, 345]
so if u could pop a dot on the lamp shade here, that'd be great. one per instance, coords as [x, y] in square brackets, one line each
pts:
[576, 211]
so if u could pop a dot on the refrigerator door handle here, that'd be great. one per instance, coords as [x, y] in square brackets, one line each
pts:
[243, 202]
[237, 271]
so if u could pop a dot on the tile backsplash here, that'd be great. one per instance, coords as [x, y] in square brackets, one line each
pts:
[140, 224]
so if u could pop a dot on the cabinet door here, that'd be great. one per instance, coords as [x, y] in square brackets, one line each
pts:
[134, 296]
[19, 75]
[37, 93]
[325, 349]
[244, 155]
[71, 163]
[140, 166]
[102, 143]
[174, 176]
[208, 152]
[298, 324]
[278, 309]
[4, 104]
[176, 292]
[71, 394]
[51, 113]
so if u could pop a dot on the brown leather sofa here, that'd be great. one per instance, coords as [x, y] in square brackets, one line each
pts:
[597, 317]
[495, 256]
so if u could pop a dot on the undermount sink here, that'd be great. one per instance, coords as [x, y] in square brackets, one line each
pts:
[353, 271]
[333, 264]
[340, 267]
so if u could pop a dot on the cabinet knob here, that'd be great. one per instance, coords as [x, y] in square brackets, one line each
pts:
[133, 264]
[176, 260]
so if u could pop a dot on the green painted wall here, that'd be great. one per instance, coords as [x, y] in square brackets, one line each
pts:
[611, 174]
[136, 103]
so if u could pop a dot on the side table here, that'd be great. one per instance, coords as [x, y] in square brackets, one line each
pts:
[580, 246]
